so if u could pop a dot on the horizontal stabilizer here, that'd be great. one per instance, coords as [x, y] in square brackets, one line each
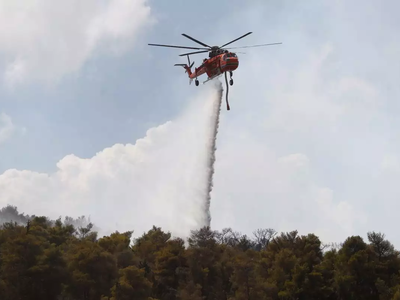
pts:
[188, 68]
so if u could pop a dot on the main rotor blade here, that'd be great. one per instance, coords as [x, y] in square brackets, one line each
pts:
[197, 52]
[171, 46]
[194, 40]
[236, 39]
[253, 46]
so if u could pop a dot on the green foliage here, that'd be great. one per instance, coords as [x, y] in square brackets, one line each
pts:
[132, 284]
[44, 259]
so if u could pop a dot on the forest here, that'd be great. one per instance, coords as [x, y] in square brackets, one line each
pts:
[66, 260]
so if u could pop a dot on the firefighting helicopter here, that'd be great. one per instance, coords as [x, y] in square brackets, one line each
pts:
[219, 60]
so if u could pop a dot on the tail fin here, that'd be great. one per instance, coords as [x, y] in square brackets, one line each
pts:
[188, 68]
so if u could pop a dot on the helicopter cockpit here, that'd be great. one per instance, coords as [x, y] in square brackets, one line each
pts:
[229, 55]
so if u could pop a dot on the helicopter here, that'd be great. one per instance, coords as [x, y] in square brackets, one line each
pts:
[220, 60]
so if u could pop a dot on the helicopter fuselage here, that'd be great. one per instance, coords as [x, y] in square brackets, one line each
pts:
[216, 65]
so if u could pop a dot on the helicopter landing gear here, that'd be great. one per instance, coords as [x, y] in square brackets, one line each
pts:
[196, 82]
[231, 80]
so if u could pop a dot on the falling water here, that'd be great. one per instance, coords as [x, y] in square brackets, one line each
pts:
[214, 122]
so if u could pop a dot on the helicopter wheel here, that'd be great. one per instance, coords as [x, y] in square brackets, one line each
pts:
[196, 82]
[231, 81]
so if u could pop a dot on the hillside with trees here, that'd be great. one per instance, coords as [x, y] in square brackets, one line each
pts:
[65, 259]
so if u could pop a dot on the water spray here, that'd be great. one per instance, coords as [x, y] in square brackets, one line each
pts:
[212, 148]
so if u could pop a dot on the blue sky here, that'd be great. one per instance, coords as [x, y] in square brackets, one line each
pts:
[311, 141]
[107, 89]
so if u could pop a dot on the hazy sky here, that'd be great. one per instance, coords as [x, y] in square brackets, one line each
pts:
[95, 122]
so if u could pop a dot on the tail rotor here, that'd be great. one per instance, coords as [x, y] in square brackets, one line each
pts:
[187, 67]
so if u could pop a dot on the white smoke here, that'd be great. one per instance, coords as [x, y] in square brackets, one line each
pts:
[160, 180]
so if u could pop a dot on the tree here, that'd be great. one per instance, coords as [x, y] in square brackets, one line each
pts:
[355, 277]
[245, 282]
[118, 244]
[31, 267]
[170, 260]
[234, 239]
[93, 270]
[10, 214]
[131, 284]
[263, 237]
[51, 259]
[203, 257]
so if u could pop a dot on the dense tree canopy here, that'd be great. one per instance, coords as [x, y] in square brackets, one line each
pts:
[44, 259]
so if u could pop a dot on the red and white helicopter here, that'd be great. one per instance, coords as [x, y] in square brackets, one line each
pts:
[220, 60]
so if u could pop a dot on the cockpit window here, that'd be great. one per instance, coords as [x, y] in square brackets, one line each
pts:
[231, 55]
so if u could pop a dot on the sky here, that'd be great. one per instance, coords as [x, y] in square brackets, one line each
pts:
[95, 122]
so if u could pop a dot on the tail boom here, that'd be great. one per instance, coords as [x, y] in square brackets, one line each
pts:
[186, 67]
